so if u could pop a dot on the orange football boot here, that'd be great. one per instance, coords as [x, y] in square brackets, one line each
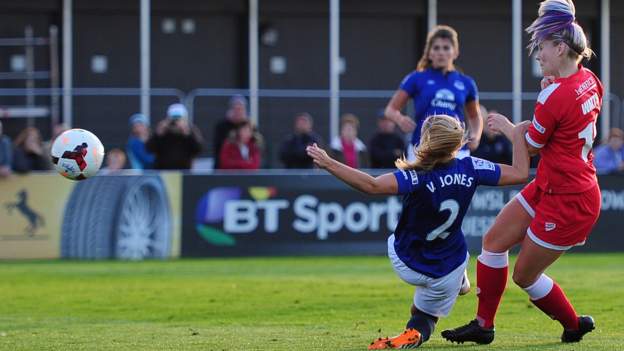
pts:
[410, 339]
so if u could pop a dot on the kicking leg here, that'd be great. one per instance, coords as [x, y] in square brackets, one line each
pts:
[546, 294]
[417, 331]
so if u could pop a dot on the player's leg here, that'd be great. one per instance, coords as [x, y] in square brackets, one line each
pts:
[436, 300]
[545, 293]
[492, 269]
[417, 331]
[465, 286]
[508, 230]
[433, 299]
[563, 221]
[410, 337]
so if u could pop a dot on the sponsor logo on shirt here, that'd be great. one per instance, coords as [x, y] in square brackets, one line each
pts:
[459, 85]
[444, 98]
[548, 226]
[538, 126]
[479, 163]
[585, 86]
[414, 176]
[590, 104]
[430, 82]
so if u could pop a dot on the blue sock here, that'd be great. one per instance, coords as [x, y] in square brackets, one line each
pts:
[422, 322]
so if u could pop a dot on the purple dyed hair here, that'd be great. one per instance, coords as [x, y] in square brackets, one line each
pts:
[556, 21]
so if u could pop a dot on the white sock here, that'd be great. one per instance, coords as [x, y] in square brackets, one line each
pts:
[494, 259]
[540, 288]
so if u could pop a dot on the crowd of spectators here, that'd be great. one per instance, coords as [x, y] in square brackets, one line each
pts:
[6, 154]
[29, 153]
[609, 157]
[493, 146]
[387, 145]
[176, 143]
[137, 153]
[293, 149]
[347, 147]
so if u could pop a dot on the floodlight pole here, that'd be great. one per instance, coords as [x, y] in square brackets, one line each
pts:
[334, 68]
[145, 58]
[67, 62]
[516, 61]
[605, 67]
[253, 62]
[432, 14]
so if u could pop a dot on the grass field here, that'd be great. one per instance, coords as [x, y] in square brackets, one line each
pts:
[272, 304]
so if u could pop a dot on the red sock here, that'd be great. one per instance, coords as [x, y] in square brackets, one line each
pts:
[491, 284]
[556, 305]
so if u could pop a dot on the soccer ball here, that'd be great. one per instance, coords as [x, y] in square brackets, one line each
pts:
[77, 154]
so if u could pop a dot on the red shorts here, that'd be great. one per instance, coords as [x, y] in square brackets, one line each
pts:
[560, 221]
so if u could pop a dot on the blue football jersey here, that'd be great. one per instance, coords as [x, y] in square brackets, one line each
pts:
[437, 93]
[428, 236]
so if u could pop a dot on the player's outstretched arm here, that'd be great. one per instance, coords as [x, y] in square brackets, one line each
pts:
[501, 124]
[475, 124]
[518, 172]
[393, 111]
[384, 184]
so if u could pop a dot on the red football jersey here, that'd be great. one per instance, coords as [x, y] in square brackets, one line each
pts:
[564, 128]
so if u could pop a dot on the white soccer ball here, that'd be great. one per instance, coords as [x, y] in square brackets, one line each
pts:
[77, 154]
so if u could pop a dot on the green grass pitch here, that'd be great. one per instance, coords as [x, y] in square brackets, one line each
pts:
[307, 303]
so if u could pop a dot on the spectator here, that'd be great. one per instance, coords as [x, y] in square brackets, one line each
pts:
[494, 147]
[241, 150]
[57, 130]
[235, 116]
[29, 153]
[609, 157]
[138, 155]
[293, 151]
[115, 161]
[347, 148]
[386, 146]
[176, 142]
[6, 154]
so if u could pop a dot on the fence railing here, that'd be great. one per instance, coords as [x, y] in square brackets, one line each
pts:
[190, 98]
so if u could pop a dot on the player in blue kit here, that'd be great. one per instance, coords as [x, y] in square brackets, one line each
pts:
[437, 88]
[428, 248]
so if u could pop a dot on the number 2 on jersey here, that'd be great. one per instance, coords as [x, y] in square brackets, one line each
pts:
[589, 133]
[440, 232]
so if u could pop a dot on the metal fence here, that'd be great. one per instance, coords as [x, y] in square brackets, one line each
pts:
[277, 107]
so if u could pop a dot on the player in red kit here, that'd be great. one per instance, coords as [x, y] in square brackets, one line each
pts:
[557, 210]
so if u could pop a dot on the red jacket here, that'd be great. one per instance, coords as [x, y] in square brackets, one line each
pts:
[230, 156]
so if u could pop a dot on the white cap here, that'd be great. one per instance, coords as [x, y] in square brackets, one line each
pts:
[177, 111]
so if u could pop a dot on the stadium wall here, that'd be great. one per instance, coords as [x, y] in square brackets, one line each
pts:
[122, 216]
[381, 41]
[168, 215]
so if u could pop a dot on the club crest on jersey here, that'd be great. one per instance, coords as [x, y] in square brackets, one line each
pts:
[459, 85]
[538, 126]
[548, 226]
